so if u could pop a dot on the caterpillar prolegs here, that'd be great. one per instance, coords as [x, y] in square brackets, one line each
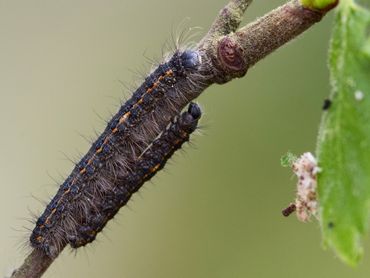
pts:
[120, 161]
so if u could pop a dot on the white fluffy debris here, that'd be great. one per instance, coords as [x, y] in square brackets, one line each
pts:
[306, 169]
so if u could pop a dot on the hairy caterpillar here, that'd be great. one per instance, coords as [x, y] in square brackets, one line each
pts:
[148, 164]
[113, 155]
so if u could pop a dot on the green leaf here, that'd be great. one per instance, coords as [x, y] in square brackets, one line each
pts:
[344, 139]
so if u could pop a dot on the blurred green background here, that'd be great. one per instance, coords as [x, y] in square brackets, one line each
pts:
[215, 210]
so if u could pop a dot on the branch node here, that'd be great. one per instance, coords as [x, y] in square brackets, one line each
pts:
[232, 61]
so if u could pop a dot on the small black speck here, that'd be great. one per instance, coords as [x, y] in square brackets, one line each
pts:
[326, 105]
[330, 225]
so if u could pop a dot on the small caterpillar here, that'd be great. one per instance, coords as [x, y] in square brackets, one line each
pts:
[150, 162]
[137, 123]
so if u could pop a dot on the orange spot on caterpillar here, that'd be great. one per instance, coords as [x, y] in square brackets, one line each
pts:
[124, 117]
[155, 168]
[91, 160]
[113, 131]
[39, 238]
[83, 171]
[156, 84]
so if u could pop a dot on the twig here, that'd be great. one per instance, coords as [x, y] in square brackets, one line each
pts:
[34, 265]
[226, 53]
[233, 53]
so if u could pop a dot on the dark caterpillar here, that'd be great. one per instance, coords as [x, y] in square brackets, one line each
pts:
[114, 153]
[150, 162]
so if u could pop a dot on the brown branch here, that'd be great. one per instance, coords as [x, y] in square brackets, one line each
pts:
[229, 18]
[34, 266]
[232, 54]
[226, 53]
